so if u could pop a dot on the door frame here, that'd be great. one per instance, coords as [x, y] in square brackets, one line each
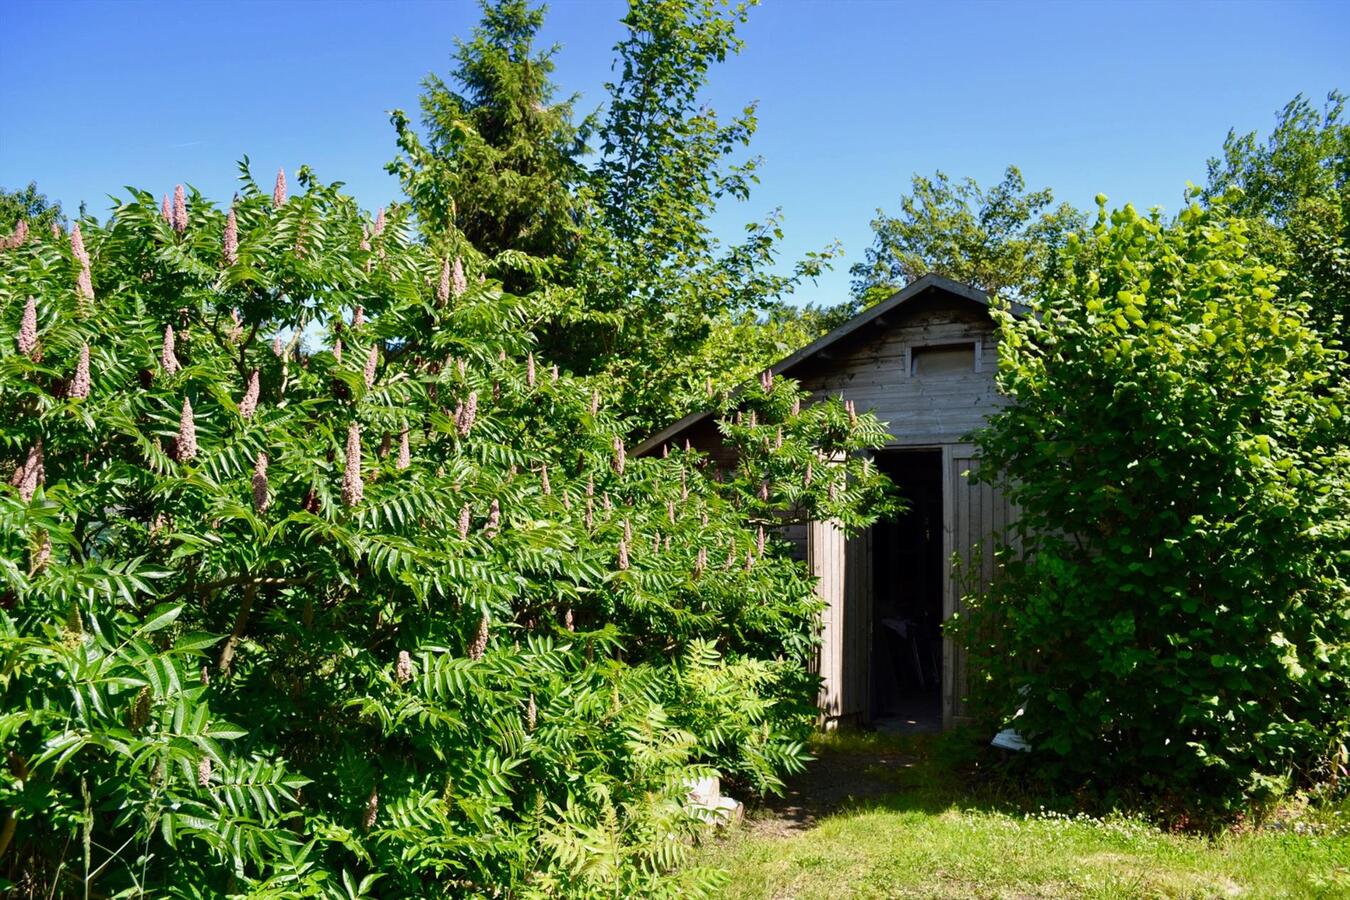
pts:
[947, 452]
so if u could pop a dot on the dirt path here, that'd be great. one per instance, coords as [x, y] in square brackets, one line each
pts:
[830, 783]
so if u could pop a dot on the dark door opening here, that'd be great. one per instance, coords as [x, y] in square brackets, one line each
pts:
[907, 580]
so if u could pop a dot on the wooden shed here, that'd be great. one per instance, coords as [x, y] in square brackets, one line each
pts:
[923, 361]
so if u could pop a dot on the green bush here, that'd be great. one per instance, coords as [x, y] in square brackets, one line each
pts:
[396, 619]
[1178, 622]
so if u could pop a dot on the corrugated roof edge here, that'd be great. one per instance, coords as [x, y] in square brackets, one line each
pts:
[871, 314]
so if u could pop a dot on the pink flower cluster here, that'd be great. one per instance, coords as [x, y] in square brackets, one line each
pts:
[260, 493]
[168, 359]
[28, 333]
[249, 404]
[29, 475]
[404, 453]
[465, 414]
[459, 284]
[480, 641]
[80, 384]
[231, 241]
[17, 236]
[353, 488]
[180, 218]
[279, 190]
[187, 433]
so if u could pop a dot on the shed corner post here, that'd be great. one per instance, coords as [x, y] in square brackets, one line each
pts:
[825, 545]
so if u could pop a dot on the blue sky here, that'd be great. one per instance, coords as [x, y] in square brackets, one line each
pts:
[1124, 99]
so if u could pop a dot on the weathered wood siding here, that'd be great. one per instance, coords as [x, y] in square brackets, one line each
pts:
[825, 556]
[844, 568]
[976, 514]
[920, 411]
[939, 411]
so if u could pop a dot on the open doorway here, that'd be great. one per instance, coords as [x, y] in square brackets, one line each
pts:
[907, 583]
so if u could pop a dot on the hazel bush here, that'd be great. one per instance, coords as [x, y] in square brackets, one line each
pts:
[1177, 625]
[318, 581]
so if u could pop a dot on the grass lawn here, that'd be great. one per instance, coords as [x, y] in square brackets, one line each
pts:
[879, 817]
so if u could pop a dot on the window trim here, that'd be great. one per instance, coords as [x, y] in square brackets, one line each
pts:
[977, 346]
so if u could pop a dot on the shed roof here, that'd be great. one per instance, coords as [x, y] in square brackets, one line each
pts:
[876, 313]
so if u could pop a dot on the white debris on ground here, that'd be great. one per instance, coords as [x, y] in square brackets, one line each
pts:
[706, 801]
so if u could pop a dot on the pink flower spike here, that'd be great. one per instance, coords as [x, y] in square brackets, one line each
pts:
[358, 317]
[337, 351]
[480, 641]
[353, 488]
[619, 455]
[77, 245]
[167, 358]
[623, 555]
[164, 210]
[459, 284]
[231, 242]
[249, 404]
[79, 385]
[187, 434]
[260, 492]
[28, 335]
[404, 454]
[32, 473]
[180, 219]
[279, 190]
[529, 370]
[379, 223]
[403, 670]
[372, 361]
[464, 521]
[443, 287]
[494, 520]
[20, 234]
[84, 285]
[469, 415]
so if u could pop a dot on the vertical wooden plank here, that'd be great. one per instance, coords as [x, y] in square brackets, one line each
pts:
[825, 554]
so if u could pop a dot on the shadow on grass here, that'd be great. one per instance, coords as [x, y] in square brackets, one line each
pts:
[855, 771]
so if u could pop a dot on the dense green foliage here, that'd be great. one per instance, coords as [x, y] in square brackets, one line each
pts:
[634, 285]
[1178, 628]
[27, 205]
[318, 582]
[1003, 240]
[499, 165]
[1296, 183]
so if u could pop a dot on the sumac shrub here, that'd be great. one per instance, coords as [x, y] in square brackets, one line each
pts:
[1176, 627]
[317, 582]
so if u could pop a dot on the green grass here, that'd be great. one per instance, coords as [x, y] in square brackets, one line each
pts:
[929, 834]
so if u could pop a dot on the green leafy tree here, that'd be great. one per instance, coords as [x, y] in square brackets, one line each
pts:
[1003, 239]
[498, 165]
[657, 285]
[30, 206]
[318, 581]
[1297, 182]
[1175, 629]
[629, 281]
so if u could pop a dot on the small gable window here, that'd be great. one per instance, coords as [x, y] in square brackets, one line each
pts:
[944, 359]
